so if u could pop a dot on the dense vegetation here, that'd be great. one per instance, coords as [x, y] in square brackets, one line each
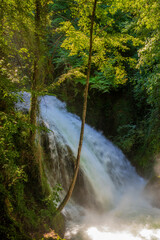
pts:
[44, 48]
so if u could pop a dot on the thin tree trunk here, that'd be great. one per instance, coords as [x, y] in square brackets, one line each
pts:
[1, 26]
[33, 107]
[2, 14]
[34, 97]
[69, 193]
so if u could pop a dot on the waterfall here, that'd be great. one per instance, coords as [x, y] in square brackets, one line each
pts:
[104, 165]
[109, 181]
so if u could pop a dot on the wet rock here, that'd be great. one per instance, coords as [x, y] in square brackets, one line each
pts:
[152, 191]
[59, 167]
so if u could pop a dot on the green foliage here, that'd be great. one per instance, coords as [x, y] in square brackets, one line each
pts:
[110, 43]
[149, 63]
[128, 136]
[19, 175]
[52, 200]
[99, 82]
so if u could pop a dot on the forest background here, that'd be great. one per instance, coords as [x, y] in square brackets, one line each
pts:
[44, 48]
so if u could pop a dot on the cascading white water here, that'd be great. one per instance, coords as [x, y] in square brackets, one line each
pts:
[126, 214]
[105, 166]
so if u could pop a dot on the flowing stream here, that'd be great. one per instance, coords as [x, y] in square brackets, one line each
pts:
[120, 210]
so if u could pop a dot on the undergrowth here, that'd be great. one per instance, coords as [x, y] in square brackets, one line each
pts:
[27, 202]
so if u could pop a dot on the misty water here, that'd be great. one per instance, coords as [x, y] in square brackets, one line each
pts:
[122, 210]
